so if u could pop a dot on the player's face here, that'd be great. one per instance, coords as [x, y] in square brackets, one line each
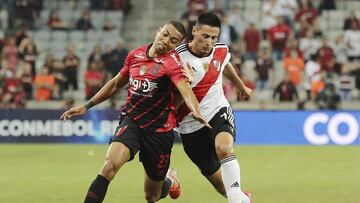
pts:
[167, 39]
[205, 38]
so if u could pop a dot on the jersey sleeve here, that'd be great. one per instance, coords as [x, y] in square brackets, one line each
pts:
[125, 70]
[173, 68]
[227, 58]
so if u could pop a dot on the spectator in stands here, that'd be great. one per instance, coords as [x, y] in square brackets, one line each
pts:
[124, 5]
[278, 36]
[292, 44]
[72, 63]
[97, 4]
[326, 57]
[327, 5]
[49, 60]
[21, 34]
[28, 52]
[27, 80]
[5, 70]
[356, 72]
[340, 51]
[227, 31]
[264, 64]
[285, 91]
[288, 10]
[270, 11]
[237, 58]
[55, 22]
[345, 83]
[189, 18]
[10, 52]
[25, 13]
[350, 20]
[236, 19]
[84, 23]
[294, 67]
[94, 79]
[317, 86]
[306, 13]
[309, 45]
[328, 98]
[109, 25]
[312, 73]
[117, 58]
[59, 72]
[352, 41]
[251, 39]
[96, 55]
[201, 5]
[44, 84]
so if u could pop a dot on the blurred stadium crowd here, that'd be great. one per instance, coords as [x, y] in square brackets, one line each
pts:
[286, 50]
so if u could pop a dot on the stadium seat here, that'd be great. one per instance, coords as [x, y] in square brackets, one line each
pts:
[66, 14]
[94, 35]
[59, 36]
[82, 4]
[77, 35]
[42, 35]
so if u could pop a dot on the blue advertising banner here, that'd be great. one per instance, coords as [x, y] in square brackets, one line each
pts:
[252, 127]
[297, 127]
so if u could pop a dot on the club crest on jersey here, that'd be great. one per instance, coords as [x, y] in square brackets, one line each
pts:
[143, 69]
[156, 69]
[205, 66]
[217, 64]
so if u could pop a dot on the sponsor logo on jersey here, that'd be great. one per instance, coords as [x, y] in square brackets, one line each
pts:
[143, 69]
[173, 55]
[145, 85]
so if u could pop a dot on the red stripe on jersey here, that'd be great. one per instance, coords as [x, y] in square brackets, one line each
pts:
[135, 105]
[149, 109]
[210, 77]
[154, 119]
[121, 130]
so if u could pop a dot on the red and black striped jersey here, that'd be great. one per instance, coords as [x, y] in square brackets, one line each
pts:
[152, 81]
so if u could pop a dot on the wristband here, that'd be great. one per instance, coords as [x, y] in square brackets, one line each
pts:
[89, 105]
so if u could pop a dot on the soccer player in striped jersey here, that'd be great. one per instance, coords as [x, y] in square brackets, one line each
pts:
[211, 149]
[153, 72]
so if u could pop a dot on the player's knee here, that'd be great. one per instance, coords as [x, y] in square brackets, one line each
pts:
[224, 150]
[152, 197]
[110, 168]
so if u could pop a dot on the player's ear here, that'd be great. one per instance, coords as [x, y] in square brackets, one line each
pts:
[194, 29]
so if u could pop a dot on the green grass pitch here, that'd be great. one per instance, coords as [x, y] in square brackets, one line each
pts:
[36, 173]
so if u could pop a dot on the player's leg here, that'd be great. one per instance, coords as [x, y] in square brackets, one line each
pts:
[155, 154]
[230, 169]
[123, 147]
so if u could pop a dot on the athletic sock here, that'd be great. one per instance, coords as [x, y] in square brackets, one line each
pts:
[97, 190]
[230, 172]
[165, 188]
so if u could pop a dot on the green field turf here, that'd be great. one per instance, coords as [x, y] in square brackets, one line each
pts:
[274, 174]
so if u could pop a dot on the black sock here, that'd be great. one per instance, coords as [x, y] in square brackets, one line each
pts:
[97, 190]
[165, 188]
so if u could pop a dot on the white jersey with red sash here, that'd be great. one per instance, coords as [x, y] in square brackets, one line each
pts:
[207, 84]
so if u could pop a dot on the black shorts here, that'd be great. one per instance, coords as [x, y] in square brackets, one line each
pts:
[154, 147]
[200, 145]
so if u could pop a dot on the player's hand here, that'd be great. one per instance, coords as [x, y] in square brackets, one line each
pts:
[188, 72]
[246, 93]
[197, 116]
[75, 111]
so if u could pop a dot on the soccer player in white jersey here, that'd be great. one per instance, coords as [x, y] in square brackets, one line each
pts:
[211, 149]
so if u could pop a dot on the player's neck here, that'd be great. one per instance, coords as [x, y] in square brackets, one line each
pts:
[152, 52]
[194, 50]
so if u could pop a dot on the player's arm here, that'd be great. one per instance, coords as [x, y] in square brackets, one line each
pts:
[106, 92]
[231, 74]
[190, 100]
[188, 72]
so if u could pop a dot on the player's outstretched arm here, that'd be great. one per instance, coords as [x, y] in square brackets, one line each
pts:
[106, 92]
[188, 73]
[231, 74]
[191, 102]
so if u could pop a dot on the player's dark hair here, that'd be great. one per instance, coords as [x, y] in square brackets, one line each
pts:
[179, 26]
[209, 19]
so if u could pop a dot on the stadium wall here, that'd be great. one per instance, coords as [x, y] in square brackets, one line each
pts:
[252, 127]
